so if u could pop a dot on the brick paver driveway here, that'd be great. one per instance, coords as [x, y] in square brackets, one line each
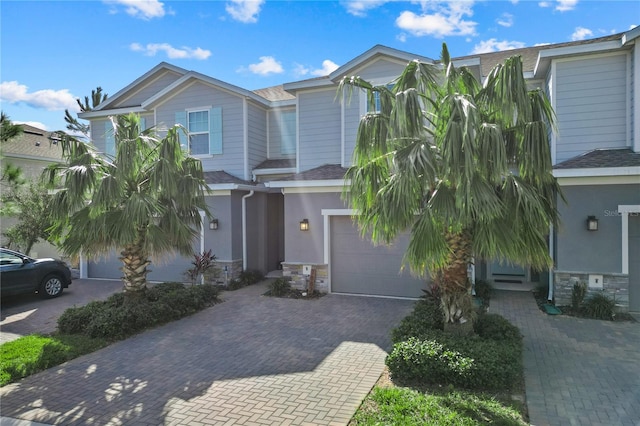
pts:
[250, 360]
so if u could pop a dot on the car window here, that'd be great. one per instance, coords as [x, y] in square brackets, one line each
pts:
[7, 258]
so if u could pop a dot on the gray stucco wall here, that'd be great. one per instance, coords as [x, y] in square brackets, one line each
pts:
[593, 251]
[307, 246]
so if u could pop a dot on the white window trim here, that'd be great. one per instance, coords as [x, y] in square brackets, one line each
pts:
[208, 132]
[624, 210]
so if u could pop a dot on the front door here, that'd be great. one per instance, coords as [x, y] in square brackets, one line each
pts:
[507, 273]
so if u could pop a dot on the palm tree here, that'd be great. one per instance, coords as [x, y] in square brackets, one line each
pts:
[97, 97]
[8, 130]
[465, 167]
[146, 201]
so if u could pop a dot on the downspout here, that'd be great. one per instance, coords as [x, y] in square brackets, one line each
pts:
[244, 229]
[551, 254]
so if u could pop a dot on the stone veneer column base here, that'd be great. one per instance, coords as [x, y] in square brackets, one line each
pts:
[234, 268]
[293, 272]
[615, 286]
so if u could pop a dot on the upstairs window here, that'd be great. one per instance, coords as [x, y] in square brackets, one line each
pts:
[204, 127]
[198, 127]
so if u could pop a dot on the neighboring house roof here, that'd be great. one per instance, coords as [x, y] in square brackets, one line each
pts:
[34, 144]
[325, 172]
[621, 157]
[220, 177]
[284, 163]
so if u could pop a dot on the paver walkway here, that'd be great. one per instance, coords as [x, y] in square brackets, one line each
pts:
[250, 360]
[577, 371]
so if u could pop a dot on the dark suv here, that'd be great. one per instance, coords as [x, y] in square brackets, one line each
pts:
[20, 274]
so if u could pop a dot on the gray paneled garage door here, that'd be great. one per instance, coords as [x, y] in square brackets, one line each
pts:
[358, 267]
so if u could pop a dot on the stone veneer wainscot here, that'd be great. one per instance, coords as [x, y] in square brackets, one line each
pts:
[615, 286]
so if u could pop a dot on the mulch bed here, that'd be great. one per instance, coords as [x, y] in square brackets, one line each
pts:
[541, 300]
[297, 294]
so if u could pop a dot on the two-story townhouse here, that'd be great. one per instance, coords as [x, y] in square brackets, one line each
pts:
[275, 159]
[32, 151]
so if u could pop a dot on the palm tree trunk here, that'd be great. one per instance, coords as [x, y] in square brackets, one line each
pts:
[134, 267]
[453, 281]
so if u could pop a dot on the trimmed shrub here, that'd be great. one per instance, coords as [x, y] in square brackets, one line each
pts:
[467, 362]
[577, 295]
[234, 284]
[427, 361]
[425, 317]
[483, 291]
[279, 287]
[496, 327]
[118, 316]
[250, 276]
[599, 306]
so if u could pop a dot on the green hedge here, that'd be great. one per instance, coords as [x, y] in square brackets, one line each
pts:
[423, 353]
[119, 316]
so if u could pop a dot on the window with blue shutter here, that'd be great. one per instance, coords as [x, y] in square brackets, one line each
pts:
[109, 139]
[204, 129]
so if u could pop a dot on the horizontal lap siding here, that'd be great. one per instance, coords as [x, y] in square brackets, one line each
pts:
[591, 105]
[319, 129]
[144, 93]
[257, 123]
[202, 95]
[382, 71]
[275, 134]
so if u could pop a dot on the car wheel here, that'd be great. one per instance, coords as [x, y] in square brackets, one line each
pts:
[51, 287]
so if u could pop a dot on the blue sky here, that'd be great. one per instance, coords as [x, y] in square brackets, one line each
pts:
[53, 52]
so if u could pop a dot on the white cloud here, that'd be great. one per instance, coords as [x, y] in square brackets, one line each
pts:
[560, 5]
[172, 52]
[300, 70]
[35, 124]
[142, 9]
[267, 65]
[244, 10]
[565, 5]
[51, 100]
[445, 19]
[506, 20]
[581, 33]
[493, 45]
[328, 67]
[361, 7]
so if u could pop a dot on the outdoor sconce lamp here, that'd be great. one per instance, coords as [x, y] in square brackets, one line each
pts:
[54, 138]
[213, 225]
[304, 225]
[592, 223]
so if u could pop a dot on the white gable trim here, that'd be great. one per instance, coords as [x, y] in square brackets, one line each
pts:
[597, 171]
[110, 112]
[137, 81]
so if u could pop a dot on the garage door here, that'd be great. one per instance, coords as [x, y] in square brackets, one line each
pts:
[359, 267]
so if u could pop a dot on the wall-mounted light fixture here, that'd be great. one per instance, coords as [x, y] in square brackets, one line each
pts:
[213, 225]
[54, 138]
[592, 223]
[304, 225]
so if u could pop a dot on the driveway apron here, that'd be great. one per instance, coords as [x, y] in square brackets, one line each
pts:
[251, 360]
[577, 371]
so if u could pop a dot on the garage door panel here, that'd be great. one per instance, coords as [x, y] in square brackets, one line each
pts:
[359, 267]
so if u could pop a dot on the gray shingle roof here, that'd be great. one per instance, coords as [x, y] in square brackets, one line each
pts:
[623, 157]
[33, 142]
[282, 163]
[274, 93]
[220, 176]
[326, 172]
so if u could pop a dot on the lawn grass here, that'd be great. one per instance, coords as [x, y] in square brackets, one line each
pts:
[407, 407]
[33, 353]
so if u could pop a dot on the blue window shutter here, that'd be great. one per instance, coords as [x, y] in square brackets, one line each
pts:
[181, 118]
[109, 139]
[215, 131]
[143, 124]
